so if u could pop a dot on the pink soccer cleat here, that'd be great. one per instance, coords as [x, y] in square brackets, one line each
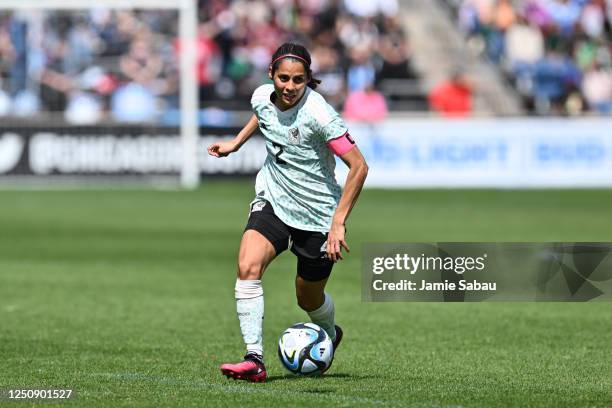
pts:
[251, 369]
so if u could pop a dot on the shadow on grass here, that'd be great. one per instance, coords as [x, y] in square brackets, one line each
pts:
[293, 377]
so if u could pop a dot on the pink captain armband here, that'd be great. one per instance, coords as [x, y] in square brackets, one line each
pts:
[341, 145]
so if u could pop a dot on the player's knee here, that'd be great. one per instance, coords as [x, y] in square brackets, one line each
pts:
[249, 270]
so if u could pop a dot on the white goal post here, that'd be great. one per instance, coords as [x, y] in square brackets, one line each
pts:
[189, 105]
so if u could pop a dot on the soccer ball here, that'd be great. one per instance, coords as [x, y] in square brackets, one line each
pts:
[305, 348]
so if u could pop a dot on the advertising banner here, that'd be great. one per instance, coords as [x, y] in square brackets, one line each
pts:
[407, 153]
[508, 153]
[107, 151]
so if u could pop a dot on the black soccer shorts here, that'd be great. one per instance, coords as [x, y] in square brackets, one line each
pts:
[308, 246]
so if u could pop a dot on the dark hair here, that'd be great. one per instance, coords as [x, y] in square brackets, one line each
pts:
[298, 53]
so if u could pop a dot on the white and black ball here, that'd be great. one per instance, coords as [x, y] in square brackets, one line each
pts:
[305, 348]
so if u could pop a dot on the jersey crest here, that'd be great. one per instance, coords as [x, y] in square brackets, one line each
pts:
[294, 136]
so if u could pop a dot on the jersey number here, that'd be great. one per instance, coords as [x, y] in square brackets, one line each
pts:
[280, 151]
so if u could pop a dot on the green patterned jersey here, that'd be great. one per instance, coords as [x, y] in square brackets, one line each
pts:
[297, 177]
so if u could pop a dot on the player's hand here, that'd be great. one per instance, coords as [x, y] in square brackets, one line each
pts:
[221, 149]
[335, 242]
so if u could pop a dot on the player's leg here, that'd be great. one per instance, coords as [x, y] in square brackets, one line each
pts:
[319, 305]
[255, 254]
[313, 299]
[310, 295]
[313, 270]
[264, 237]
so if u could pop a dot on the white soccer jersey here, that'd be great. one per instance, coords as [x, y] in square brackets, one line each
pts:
[297, 177]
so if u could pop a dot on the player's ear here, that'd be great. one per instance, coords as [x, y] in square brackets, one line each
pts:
[270, 72]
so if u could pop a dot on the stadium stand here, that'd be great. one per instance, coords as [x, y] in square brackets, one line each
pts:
[556, 53]
[88, 66]
[544, 57]
[355, 45]
[106, 65]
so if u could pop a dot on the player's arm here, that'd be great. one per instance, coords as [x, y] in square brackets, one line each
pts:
[222, 149]
[358, 171]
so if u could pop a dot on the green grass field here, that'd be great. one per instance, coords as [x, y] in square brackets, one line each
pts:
[127, 298]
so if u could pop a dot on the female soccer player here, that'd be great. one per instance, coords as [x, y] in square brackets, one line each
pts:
[298, 204]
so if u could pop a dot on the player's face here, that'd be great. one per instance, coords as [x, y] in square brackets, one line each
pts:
[290, 81]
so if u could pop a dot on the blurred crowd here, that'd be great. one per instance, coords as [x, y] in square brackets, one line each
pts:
[89, 66]
[354, 45]
[557, 53]
[122, 65]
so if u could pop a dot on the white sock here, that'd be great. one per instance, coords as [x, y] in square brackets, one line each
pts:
[250, 308]
[324, 316]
